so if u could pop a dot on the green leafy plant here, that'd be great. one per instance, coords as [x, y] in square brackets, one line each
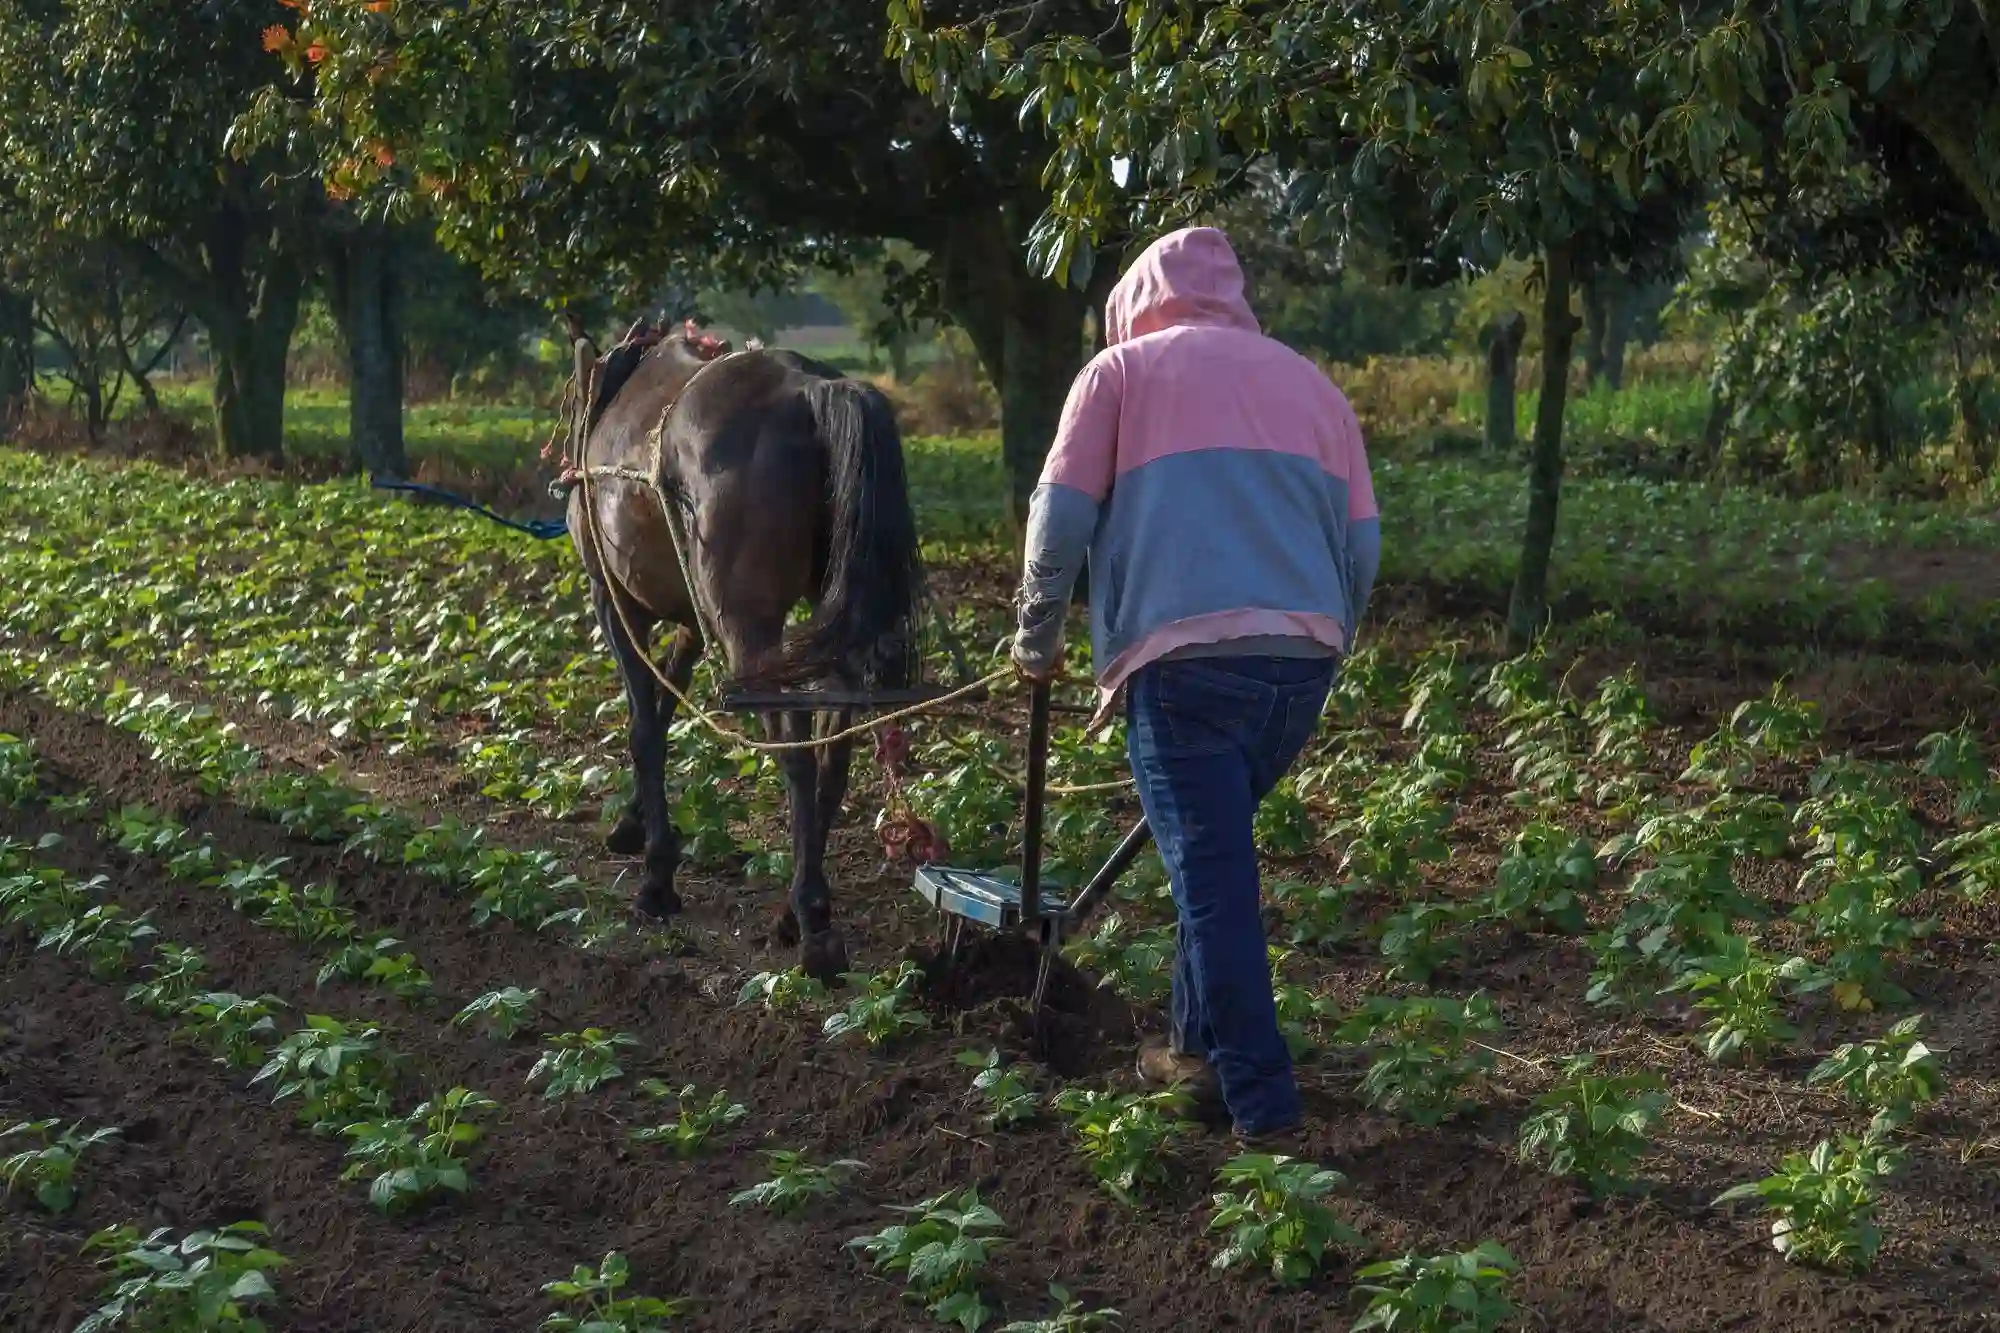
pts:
[373, 961]
[1738, 988]
[1424, 1051]
[596, 1306]
[577, 1062]
[1546, 877]
[1957, 757]
[1594, 1125]
[1974, 859]
[1131, 960]
[17, 770]
[206, 1282]
[880, 1013]
[1070, 1317]
[1418, 940]
[338, 1071]
[173, 978]
[1010, 1100]
[697, 1120]
[941, 1251]
[1399, 828]
[1317, 914]
[1892, 1075]
[502, 1012]
[1446, 1293]
[783, 992]
[1825, 1202]
[48, 1170]
[103, 936]
[1125, 1136]
[1278, 1217]
[795, 1182]
[414, 1157]
[235, 1029]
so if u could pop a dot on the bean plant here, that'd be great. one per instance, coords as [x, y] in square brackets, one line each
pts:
[1126, 1136]
[47, 1170]
[697, 1120]
[1424, 1051]
[173, 978]
[578, 1062]
[1738, 988]
[416, 1157]
[1445, 1293]
[881, 1013]
[783, 992]
[1278, 1217]
[502, 1012]
[1010, 1099]
[1594, 1125]
[795, 1182]
[235, 1029]
[595, 1306]
[205, 1282]
[1824, 1202]
[1892, 1075]
[941, 1250]
[1070, 1317]
[338, 1071]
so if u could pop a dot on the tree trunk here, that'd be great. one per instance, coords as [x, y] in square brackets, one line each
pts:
[1608, 299]
[17, 357]
[369, 301]
[1028, 333]
[1503, 336]
[1528, 607]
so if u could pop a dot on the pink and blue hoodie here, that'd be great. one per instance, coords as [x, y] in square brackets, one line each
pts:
[1215, 478]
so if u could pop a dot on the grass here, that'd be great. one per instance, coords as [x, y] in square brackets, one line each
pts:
[1702, 557]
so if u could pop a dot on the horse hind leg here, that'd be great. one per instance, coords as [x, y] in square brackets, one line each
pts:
[809, 917]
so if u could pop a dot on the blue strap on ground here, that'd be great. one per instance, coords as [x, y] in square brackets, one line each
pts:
[541, 529]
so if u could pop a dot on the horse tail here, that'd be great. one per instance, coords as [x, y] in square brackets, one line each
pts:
[866, 623]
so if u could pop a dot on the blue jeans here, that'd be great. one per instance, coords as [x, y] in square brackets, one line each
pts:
[1209, 738]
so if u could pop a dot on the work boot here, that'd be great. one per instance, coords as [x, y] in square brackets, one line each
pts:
[1161, 1066]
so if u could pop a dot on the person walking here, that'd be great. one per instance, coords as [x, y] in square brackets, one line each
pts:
[1217, 484]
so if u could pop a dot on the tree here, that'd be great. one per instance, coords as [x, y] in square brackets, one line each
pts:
[364, 263]
[1457, 133]
[575, 148]
[114, 117]
[865, 291]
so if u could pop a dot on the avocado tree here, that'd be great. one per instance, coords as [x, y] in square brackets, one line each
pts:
[1457, 133]
[578, 148]
[114, 121]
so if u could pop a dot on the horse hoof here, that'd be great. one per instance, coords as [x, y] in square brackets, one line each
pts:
[824, 956]
[627, 838]
[659, 901]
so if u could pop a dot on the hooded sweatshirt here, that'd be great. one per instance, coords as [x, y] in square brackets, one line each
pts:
[1215, 478]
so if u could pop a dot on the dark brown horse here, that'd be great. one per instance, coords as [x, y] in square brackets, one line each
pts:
[787, 479]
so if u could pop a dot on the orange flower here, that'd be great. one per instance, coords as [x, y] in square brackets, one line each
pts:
[292, 4]
[383, 157]
[379, 6]
[276, 38]
[316, 52]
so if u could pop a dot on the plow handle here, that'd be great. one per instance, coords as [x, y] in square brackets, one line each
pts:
[1108, 875]
[1031, 820]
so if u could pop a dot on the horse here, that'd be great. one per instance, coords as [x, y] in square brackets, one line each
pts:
[787, 483]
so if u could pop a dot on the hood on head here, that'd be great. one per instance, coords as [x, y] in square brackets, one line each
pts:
[1188, 276]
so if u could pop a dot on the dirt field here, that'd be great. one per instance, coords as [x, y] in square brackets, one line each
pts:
[559, 1183]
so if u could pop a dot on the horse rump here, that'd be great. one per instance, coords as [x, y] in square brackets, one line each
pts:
[865, 626]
